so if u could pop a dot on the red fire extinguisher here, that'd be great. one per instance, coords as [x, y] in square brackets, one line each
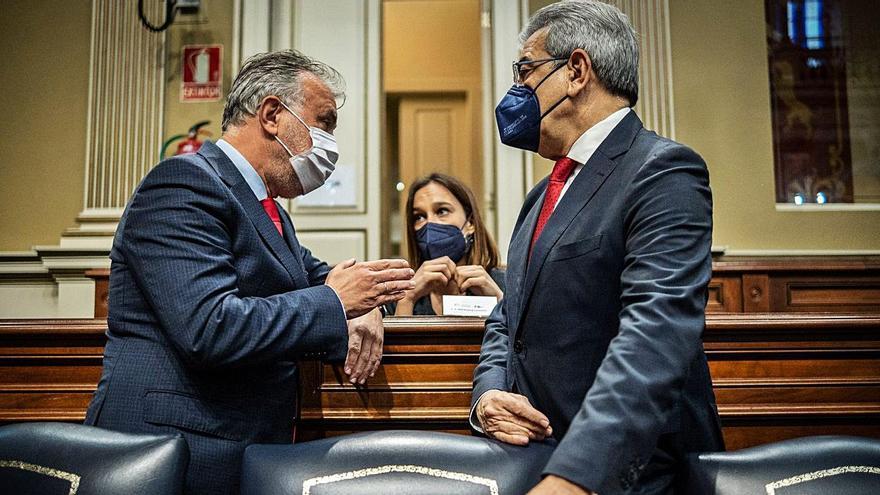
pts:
[191, 142]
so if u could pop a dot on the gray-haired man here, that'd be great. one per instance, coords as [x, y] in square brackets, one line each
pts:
[598, 340]
[212, 298]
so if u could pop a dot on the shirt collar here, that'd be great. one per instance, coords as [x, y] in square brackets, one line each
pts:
[245, 168]
[589, 142]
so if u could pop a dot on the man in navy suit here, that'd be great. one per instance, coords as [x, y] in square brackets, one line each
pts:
[213, 299]
[598, 340]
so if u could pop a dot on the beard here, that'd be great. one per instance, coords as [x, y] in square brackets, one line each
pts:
[284, 181]
[280, 173]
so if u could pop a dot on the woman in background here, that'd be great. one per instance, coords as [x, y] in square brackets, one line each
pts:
[448, 242]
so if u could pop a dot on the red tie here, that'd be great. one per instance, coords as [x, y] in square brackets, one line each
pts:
[558, 176]
[272, 211]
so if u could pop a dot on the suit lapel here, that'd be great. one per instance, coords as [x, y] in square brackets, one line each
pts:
[290, 237]
[254, 210]
[594, 173]
[267, 231]
[581, 191]
[518, 258]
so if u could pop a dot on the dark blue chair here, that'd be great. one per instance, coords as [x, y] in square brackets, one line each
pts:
[821, 465]
[67, 459]
[398, 462]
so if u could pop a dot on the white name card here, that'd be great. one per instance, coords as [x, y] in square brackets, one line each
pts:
[469, 305]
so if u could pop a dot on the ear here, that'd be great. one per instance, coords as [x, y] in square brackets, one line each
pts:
[580, 69]
[468, 228]
[268, 114]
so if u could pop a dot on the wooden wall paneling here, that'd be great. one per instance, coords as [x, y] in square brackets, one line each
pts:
[740, 433]
[779, 376]
[831, 292]
[756, 293]
[49, 368]
[725, 294]
[841, 284]
[424, 382]
[775, 375]
[748, 284]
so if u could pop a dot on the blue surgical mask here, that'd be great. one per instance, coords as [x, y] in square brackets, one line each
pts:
[436, 240]
[519, 115]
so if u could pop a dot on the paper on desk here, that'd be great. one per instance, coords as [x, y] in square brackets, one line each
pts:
[468, 305]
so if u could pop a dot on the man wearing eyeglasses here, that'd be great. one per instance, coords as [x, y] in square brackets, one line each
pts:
[598, 340]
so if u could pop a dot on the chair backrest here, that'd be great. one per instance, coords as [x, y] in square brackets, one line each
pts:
[71, 459]
[393, 462]
[840, 465]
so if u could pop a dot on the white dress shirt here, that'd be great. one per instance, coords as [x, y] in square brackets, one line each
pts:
[245, 169]
[589, 142]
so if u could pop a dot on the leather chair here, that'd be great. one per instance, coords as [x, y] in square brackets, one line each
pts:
[398, 462]
[68, 459]
[840, 465]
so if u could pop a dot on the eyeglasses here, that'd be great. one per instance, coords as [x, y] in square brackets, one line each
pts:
[523, 68]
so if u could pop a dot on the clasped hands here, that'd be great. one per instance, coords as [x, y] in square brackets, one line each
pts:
[442, 275]
[362, 288]
[512, 419]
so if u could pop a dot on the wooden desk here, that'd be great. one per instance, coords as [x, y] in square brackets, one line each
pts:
[776, 376]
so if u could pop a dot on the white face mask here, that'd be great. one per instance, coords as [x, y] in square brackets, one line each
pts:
[314, 165]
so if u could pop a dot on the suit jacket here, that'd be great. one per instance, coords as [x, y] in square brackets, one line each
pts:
[209, 309]
[602, 328]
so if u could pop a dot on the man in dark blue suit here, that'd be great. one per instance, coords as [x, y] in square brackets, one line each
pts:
[213, 299]
[598, 340]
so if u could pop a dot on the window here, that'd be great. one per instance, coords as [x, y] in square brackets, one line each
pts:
[825, 95]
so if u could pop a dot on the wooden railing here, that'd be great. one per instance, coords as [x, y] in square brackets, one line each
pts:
[776, 376]
[49, 368]
[778, 284]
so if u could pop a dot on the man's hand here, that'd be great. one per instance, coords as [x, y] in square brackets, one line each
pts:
[365, 338]
[364, 286]
[554, 485]
[510, 418]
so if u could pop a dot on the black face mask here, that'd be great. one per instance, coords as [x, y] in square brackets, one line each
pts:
[519, 116]
[436, 240]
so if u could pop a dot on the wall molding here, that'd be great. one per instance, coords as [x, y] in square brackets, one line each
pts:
[50, 282]
[656, 105]
[828, 207]
[124, 126]
[801, 252]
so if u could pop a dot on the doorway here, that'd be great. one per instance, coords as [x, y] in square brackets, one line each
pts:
[431, 75]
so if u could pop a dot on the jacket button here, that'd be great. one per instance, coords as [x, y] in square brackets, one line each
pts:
[518, 346]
